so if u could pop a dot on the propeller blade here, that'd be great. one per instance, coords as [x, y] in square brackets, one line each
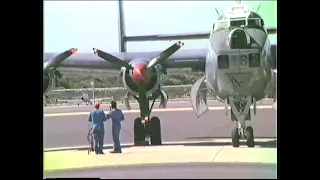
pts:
[110, 58]
[55, 61]
[58, 74]
[165, 54]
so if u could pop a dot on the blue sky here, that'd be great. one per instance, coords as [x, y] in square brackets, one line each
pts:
[87, 24]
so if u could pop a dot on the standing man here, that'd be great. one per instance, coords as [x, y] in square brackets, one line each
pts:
[97, 117]
[117, 116]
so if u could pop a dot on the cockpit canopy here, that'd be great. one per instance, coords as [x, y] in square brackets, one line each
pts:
[239, 16]
[250, 22]
[245, 22]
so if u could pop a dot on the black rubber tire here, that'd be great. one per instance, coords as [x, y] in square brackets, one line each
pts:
[235, 138]
[138, 130]
[155, 131]
[250, 137]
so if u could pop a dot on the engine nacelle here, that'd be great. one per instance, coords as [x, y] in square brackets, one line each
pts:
[133, 87]
[48, 82]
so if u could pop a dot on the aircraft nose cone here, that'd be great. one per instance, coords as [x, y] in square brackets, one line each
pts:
[140, 74]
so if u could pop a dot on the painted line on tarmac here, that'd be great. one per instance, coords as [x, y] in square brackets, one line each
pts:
[154, 110]
[68, 148]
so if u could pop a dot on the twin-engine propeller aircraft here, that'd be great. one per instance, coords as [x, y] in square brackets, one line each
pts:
[240, 67]
[238, 63]
[83, 99]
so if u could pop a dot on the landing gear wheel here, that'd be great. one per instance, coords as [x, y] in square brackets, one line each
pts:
[235, 137]
[155, 132]
[250, 136]
[138, 132]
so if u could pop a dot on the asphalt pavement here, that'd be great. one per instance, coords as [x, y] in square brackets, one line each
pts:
[176, 171]
[67, 130]
[135, 106]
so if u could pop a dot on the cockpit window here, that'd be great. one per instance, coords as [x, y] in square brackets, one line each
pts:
[221, 25]
[238, 23]
[254, 22]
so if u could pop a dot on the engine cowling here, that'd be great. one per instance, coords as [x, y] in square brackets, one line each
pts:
[133, 87]
[48, 82]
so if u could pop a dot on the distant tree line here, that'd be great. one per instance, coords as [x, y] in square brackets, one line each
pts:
[104, 80]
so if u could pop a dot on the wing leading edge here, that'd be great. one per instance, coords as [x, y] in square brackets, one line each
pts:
[163, 37]
[193, 58]
[181, 59]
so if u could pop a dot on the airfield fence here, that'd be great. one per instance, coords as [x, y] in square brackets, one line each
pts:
[175, 92]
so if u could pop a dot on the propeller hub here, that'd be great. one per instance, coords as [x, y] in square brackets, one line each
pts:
[140, 74]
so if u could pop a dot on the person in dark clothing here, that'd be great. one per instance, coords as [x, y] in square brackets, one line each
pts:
[97, 117]
[117, 117]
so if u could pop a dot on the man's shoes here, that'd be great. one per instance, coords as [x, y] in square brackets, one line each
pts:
[114, 151]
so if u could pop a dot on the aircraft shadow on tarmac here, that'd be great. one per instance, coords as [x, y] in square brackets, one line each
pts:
[262, 144]
[259, 144]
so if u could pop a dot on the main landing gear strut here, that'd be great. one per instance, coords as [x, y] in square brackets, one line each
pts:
[240, 108]
[147, 131]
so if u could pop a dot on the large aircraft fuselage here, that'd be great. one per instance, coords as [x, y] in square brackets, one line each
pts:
[235, 70]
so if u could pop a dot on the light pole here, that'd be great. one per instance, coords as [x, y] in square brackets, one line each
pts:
[92, 85]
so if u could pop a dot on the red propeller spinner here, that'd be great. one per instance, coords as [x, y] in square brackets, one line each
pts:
[140, 74]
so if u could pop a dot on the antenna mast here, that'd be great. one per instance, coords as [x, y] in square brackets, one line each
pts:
[258, 8]
[217, 11]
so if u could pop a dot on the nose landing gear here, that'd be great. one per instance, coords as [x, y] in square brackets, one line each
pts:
[147, 131]
[248, 135]
[240, 109]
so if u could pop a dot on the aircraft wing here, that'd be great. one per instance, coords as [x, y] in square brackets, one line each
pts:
[69, 101]
[181, 59]
[197, 35]
[184, 58]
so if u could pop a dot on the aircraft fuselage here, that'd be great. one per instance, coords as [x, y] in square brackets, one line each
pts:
[237, 63]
